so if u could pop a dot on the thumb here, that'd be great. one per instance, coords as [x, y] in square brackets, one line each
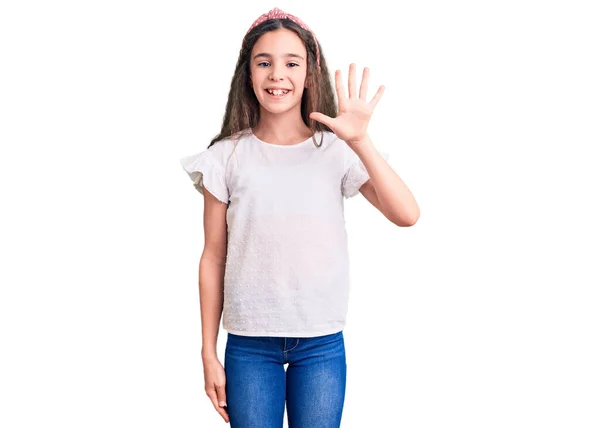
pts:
[221, 396]
[320, 117]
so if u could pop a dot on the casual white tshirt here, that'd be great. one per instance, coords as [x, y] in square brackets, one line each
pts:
[287, 267]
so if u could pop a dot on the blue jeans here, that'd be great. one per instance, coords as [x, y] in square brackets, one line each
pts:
[258, 386]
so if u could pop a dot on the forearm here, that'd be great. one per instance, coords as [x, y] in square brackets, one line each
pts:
[395, 197]
[211, 283]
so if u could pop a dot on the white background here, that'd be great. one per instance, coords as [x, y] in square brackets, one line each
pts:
[484, 314]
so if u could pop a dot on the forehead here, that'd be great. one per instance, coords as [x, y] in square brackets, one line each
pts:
[278, 42]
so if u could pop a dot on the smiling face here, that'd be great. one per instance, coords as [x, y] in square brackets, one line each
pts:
[278, 60]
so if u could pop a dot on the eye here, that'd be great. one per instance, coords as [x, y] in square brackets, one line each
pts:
[290, 63]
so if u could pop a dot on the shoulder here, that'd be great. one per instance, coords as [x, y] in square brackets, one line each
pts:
[337, 142]
[225, 144]
[329, 140]
[223, 150]
[330, 137]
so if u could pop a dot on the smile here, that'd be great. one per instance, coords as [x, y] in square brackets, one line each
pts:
[278, 94]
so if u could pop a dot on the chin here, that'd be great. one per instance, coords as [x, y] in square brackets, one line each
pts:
[276, 108]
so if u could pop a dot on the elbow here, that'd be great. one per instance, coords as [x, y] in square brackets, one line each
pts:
[406, 221]
[413, 221]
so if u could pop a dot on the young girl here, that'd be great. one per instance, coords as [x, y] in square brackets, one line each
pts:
[275, 259]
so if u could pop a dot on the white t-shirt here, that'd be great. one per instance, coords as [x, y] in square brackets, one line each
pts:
[287, 267]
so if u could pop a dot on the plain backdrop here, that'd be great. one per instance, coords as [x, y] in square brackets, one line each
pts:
[484, 314]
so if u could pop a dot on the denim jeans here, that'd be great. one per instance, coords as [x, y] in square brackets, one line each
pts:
[258, 386]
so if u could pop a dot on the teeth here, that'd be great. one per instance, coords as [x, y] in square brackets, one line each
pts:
[277, 92]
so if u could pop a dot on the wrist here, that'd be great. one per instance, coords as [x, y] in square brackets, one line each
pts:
[359, 139]
[209, 354]
[362, 146]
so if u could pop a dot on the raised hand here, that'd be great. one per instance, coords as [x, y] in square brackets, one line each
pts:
[354, 113]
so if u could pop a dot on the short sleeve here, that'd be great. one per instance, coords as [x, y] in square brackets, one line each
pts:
[355, 172]
[208, 173]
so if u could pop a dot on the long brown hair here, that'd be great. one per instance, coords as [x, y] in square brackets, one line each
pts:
[242, 110]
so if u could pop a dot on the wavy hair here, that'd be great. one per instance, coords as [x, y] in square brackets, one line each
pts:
[242, 110]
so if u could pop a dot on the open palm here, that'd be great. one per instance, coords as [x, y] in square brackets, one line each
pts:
[354, 113]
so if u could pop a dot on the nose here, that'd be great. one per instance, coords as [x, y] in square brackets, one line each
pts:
[276, 74]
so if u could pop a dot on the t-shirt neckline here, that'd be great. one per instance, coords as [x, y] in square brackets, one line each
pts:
[281, 145]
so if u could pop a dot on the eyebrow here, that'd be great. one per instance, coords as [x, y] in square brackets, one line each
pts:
[292, 55]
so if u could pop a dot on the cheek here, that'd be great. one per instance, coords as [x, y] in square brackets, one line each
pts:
[300, 82]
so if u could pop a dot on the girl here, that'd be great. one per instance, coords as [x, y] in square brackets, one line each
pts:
[275, 259]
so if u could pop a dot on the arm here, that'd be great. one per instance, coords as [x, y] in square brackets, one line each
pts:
[212, 272]
[384, 189]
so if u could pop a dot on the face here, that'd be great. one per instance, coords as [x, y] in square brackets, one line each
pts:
[278, 59]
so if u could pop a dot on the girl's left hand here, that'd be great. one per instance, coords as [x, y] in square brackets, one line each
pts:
[353, 113]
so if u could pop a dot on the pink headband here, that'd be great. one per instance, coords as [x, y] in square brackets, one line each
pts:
[280, 14]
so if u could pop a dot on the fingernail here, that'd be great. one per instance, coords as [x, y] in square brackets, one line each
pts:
[222, 404]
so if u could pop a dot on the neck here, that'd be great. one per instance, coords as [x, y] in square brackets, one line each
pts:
[282, 128]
